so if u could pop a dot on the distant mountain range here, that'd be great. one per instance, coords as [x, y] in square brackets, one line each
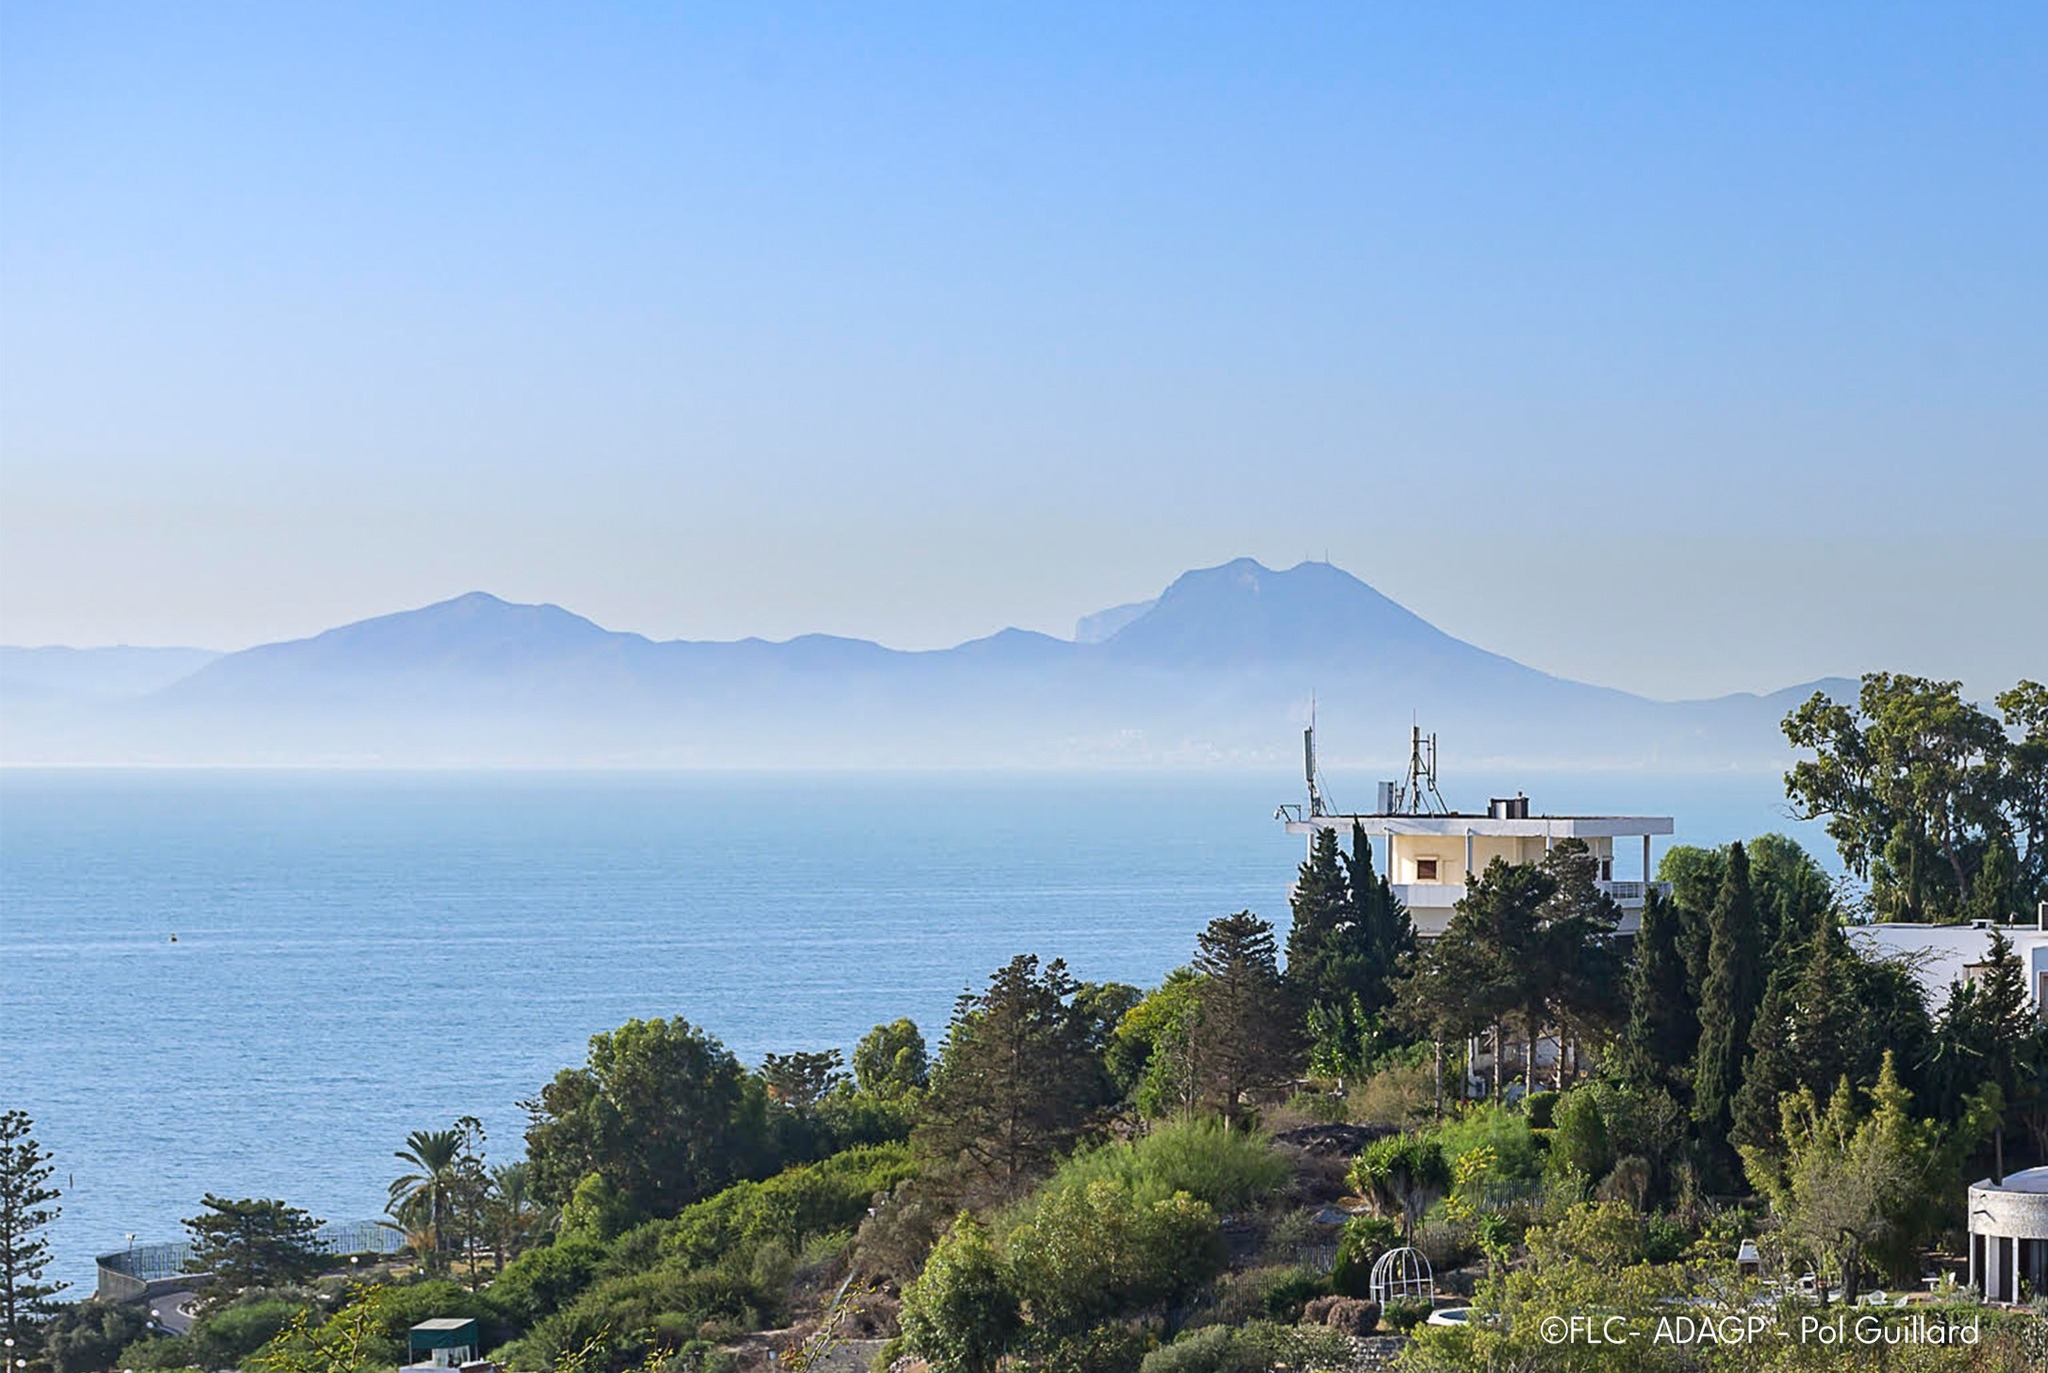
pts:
[1219, 669]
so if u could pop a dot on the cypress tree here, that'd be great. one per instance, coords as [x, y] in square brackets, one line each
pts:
[1386, 934]
[1734, 987]
[1663, 1024]
[1323, 936]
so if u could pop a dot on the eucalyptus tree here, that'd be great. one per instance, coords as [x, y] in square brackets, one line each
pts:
[1914, 784]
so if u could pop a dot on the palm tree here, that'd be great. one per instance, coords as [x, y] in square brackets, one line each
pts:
[421, 1195]
[511, 1208]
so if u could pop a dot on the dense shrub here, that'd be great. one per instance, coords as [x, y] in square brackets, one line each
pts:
[1579, 1143]
[1352, 1315]
[1400, 1096]
[1503, 1130]
[1085, 1271]
[88, 1337]
[1228, 1169]
[1540, 1108]
[224, 1339]
[788, 1209]
[1252, 1348]
[542, 1281]
[1404, 1315]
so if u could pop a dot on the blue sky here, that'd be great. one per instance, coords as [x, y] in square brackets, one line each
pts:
[1683, 349]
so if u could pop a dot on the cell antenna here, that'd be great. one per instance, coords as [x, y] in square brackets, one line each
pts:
[1316, 804]
[1418, 794]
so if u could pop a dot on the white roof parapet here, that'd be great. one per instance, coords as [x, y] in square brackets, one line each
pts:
[1457, 826]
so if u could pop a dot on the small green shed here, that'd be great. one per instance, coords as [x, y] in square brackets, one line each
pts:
[448, 1342]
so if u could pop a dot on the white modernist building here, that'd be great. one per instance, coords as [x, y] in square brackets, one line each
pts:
[1940, 955]
[1429, 852]
[2009, 1235]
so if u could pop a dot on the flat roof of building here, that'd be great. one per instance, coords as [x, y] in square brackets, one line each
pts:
[2027, 1180]
[1460, 824]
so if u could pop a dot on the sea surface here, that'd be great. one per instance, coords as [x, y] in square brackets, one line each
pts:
[358, 955]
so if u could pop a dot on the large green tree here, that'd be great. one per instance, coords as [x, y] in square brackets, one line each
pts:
[1990, 1034]
[1914, 785]
[1663, 1027]
[254, 1242]
[660, 1113]
[890, 1061]
[2024, 709]
[1576, 974]
[1247, 1036]
[1474, 976]
[1018, 1080]
[26, 1211]
[1735, 985]
[1349, 941]
[1850, 1184]
[439, 1199]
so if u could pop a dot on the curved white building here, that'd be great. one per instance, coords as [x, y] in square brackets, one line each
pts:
[2009, 1235]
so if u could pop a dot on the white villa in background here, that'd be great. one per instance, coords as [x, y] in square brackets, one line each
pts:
[1429, 852]
[1940, 955]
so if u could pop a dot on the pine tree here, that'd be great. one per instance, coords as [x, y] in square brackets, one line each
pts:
[1663, 1024]
[254, 1242]
[1245, 1030]
[1018, 1080]
[1324, 939]
[25, 1211]
[1734, 987]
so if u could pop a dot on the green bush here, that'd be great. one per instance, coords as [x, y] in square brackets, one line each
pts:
[228, 1336]
[1405, 1315]
[1252, 1348]
[88, 1336]
[541, 1282]
[1291, 1290]
[1539, 1108]
[1229, 1169]
[789, 1208]
[1505, 1131]
[1579, 1142]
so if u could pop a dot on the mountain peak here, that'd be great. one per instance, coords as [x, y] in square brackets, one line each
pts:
[1243, 611]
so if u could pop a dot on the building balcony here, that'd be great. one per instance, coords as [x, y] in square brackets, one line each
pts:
[1442, 895]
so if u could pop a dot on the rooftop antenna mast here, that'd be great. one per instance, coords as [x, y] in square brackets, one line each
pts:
[1418, 794]
[1316, 804]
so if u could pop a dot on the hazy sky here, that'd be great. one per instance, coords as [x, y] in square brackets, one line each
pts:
[1683, 351]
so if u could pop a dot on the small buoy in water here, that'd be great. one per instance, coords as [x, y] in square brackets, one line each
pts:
[174, 939]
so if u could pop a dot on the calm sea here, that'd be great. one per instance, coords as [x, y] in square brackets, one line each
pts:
[359, 955]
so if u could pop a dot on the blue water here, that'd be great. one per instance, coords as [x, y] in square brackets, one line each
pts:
[360, 955]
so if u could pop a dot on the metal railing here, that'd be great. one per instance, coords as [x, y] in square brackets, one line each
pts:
[1634, 891]
[125, 1274]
